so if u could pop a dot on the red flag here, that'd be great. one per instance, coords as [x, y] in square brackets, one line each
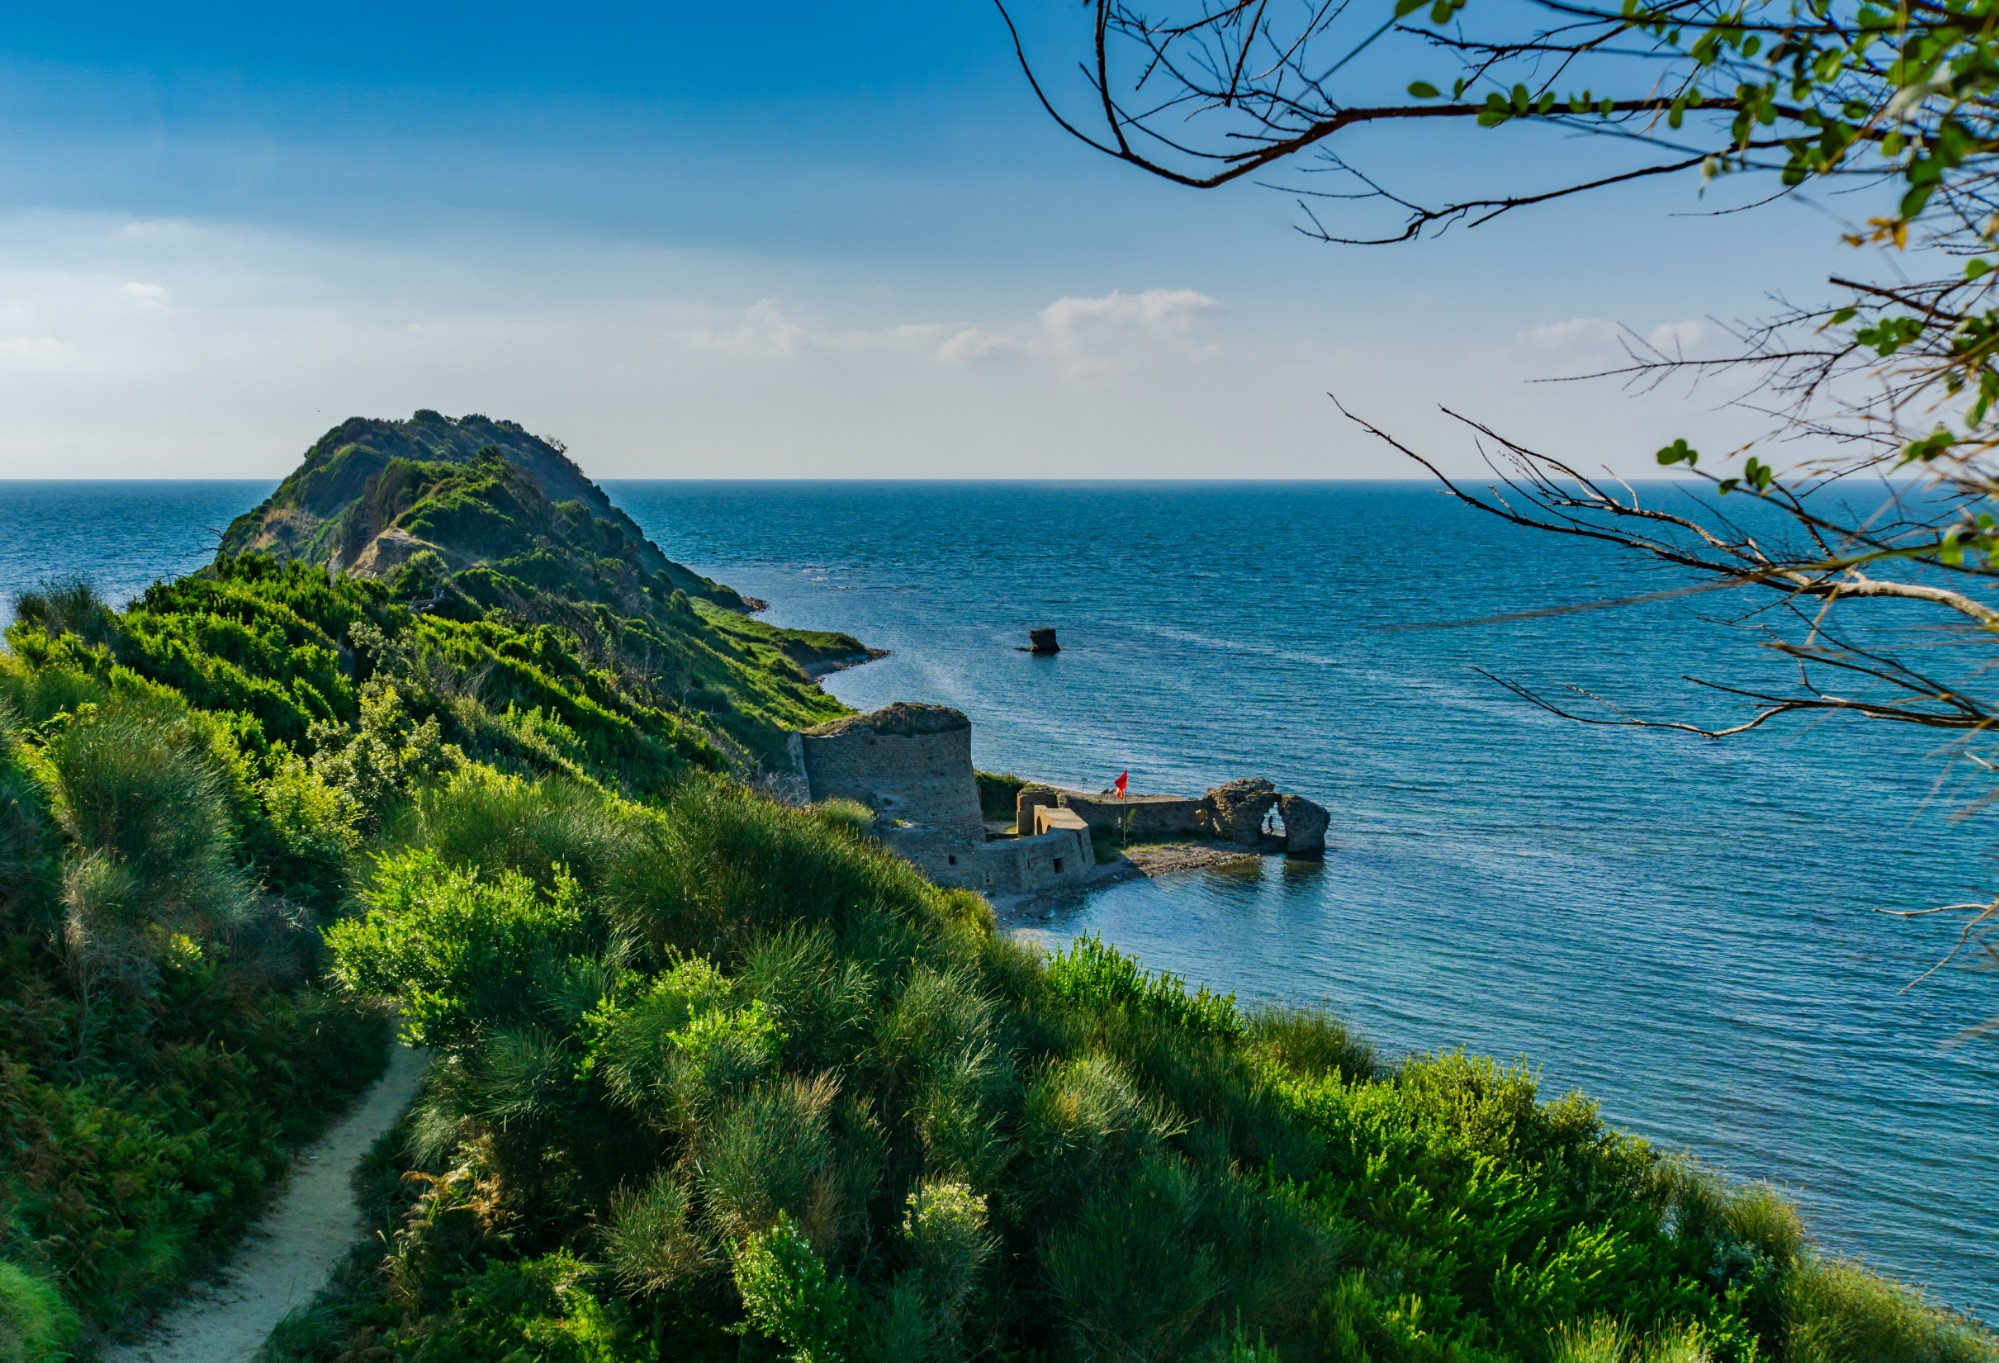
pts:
[1118, 785]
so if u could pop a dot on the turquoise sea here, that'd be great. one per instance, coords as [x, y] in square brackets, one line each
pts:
[1684, 929]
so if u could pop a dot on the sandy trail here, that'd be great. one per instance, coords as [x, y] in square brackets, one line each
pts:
[289, 1254]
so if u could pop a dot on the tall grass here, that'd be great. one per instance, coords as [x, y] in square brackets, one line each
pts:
[1836, 1312]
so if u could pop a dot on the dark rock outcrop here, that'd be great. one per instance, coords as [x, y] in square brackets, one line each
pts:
[1042, 641]
[1304, 826]
[1236, 809]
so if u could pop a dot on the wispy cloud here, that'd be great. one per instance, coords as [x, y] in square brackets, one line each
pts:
[763, 331]
[144, 297]
[1111, 333]
[1114, 332]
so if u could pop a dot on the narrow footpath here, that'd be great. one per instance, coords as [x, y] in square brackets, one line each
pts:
[291, 1252]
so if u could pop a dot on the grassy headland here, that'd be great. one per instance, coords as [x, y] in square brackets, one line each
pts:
[715, 1078]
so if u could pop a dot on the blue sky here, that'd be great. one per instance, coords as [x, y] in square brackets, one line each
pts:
[779, 241]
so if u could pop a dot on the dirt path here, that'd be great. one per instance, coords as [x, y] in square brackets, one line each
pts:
[289, 1254]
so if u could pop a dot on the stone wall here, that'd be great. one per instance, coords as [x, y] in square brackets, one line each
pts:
[1057, 859]
[1142, 816]
[1233, 812]
[1054, 860]
[908, 762]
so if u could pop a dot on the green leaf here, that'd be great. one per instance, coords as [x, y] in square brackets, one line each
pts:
[1976, 267]
[1422, 89]
[1680, 452]
[1407, 7]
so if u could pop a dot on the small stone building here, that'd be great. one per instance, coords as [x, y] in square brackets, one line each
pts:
[908, 763]
[912, 765]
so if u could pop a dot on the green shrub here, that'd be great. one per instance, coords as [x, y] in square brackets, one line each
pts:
[459, 952]
[650, 1244]
[789, 1295]
[1602, 1340]
[771, 1153]
[68, 606]
[143, 799]
[672, 1053]
[944, 1226]
[36, 1325]
[540, 1309]
[1097, 978]
[1308, 1042]
[1133, 1278]
[825, 1003]
[386, 756]
[1082, 1123]
[317, 825]
[494, 822]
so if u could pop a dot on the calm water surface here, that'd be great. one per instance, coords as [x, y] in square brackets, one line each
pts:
[1683, 929]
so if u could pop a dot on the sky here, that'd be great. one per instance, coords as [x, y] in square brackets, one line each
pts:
[777, 241]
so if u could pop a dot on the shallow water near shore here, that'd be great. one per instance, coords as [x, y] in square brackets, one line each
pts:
[1683, 929]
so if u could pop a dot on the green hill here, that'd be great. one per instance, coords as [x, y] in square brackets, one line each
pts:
[477, 520]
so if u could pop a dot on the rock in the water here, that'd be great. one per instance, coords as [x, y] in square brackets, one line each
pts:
[1304, 826]
[1042, 641]
[1236, 809]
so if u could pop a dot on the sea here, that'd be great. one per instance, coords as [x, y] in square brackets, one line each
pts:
[1688, 930]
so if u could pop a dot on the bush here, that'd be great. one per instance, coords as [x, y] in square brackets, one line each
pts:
[1133, 1279]
[770, 1154]
[1097, 978]
[148, 807]
[650, 1244]
[68, 606]
[459, 952]
[678, 1051]
[503, 823]
[540, 1309]
[1305, 1041]
[789, 1295]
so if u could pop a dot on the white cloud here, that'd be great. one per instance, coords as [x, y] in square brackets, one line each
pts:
[31, 348]
[1113, 333]
[1575, 331]
[1602, 335]
[1116, 332]
[976, 343]
[763, 331]
[1680, 338]
[144, 297]
[762, 368]
[1119, 330]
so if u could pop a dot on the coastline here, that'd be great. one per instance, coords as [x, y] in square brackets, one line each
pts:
[826, 667]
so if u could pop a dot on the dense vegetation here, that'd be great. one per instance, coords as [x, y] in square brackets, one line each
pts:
[714, 1077]
[476, 521]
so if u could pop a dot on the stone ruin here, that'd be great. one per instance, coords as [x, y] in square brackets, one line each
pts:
[1236, 811]
[912, 765]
